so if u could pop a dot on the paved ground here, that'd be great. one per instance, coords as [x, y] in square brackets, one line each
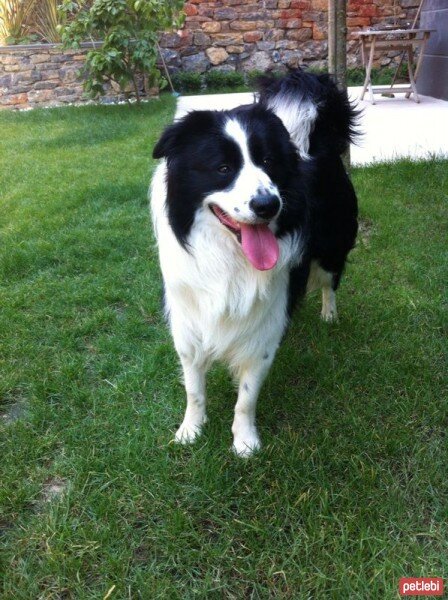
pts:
[393, 127]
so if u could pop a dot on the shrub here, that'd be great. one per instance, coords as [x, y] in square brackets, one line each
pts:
[223, 79]
[14, 16]
[187, 81]
[252, 77]
[129, 30]
[25, 21]
[355, 76]
[47, 20]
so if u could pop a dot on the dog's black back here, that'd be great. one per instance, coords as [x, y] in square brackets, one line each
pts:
[331, 198]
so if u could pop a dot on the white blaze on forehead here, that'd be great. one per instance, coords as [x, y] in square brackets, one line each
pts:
[236, 132]
[249, 181]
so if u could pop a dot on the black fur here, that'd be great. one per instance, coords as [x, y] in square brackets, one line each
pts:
[196, 145]
[319, 200]
[332, 201]
[336, 124]
[193, 153]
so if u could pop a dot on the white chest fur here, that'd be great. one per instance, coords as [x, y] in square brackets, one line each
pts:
[219, 305]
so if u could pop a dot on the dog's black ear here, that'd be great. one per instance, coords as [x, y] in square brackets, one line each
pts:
[183, 133]
[168, 141]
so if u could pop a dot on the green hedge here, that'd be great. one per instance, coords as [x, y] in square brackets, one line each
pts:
[187, 82]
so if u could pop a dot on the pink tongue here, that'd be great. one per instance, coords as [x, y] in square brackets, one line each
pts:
[260, 246]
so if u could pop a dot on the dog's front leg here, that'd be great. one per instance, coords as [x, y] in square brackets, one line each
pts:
[195, 414]
[329, 311]
[244, 429]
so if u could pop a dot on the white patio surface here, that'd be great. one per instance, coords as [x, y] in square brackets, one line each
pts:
[392, 128]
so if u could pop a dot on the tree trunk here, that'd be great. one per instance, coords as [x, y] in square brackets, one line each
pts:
[337, 50]
[332, 37]
[341, 43]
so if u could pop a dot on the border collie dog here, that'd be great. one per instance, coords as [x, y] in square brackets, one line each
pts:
[251, 207]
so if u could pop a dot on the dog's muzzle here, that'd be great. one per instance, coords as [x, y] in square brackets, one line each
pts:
[265, 206]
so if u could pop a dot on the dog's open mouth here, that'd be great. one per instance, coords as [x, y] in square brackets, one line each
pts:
[258, 243]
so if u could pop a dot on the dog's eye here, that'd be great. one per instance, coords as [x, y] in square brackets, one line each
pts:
[224, 169]
[267, 161]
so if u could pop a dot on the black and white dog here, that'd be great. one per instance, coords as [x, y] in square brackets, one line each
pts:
[251, 207]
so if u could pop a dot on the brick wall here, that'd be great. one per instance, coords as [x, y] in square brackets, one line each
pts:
[223, 35]
[44, 75]
[249, 34]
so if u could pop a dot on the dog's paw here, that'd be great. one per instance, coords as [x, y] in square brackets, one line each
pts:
[329, 315]
[245, 445]
[187, 433]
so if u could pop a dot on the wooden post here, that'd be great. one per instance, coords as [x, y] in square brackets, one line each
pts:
[341, 43]
[337, 50]
[332, 37]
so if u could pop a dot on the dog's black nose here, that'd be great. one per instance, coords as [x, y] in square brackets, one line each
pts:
[265, 206]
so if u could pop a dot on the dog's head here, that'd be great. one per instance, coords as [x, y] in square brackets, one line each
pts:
[232, 167]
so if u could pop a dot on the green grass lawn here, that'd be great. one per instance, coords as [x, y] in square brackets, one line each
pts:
[350, 491]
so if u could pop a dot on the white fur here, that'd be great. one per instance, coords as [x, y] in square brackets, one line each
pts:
[320, 279]
[298, 117]
[251, 179]
[218, 305]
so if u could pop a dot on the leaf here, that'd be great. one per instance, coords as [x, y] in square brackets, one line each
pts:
[129, 30]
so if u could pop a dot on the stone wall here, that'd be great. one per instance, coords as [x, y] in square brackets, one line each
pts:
[44, 75]
[222, 35]
[258, 35]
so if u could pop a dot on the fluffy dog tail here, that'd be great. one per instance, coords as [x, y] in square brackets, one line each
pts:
[317, 114]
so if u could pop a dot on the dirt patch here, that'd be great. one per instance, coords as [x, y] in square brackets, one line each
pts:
[365, 231]
[53, 489]
[10, 413]
[5, 526]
